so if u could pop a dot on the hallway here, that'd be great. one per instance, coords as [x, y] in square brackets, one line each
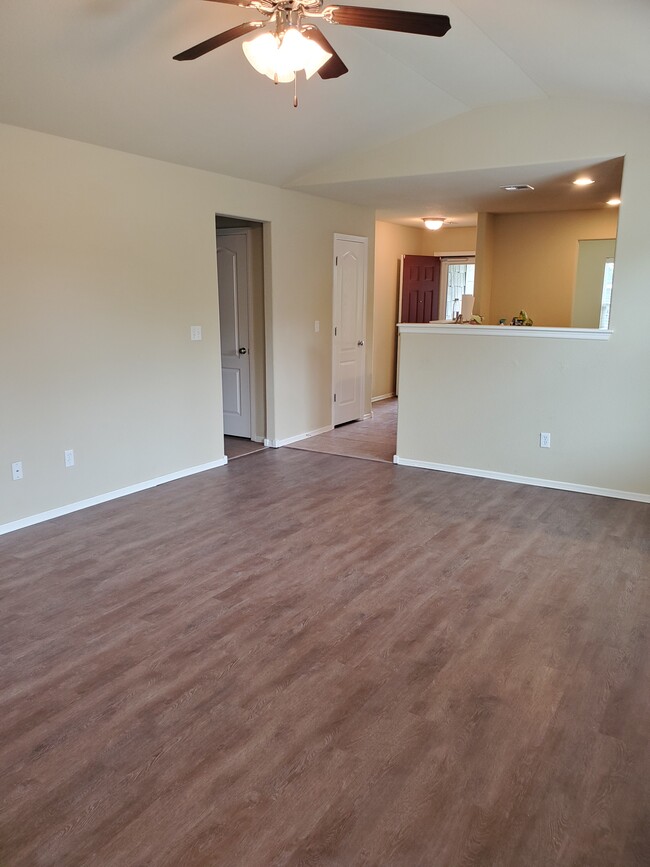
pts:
[373, 439]
[237, 447]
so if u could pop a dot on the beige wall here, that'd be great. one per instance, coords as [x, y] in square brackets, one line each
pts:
[590, 395]
[505, 391]
[460, 239]
[484, 265]
[534, 262]
[391, 243]
[107, 259]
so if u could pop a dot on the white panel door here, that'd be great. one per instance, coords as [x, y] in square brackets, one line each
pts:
[349, 351]
[232, 276]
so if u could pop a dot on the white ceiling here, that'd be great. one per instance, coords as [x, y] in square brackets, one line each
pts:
[101, 71]
[459, 196]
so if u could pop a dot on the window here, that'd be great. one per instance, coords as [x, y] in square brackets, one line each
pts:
[456, 279]
[606, 298]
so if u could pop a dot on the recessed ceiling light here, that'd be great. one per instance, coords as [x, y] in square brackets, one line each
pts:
[614, 201]
[513, 188]
[433, 223]
[583, 182]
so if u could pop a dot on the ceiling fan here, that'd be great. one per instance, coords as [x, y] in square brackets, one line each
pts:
[292, 43]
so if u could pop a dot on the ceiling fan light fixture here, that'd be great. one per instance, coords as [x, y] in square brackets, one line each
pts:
[303, 53]
[262, 54]
[433, 223]
[280, 56]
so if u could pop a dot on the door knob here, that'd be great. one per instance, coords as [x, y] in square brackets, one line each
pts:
[242, 350]
[360, 342]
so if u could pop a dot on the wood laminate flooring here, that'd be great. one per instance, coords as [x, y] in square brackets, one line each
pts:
[237, 447]
[373, 439]
[298, 659]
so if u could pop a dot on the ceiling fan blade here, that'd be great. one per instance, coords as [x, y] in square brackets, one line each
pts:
[423, 23]
[233, 2]
[218, 40]
[334, 67]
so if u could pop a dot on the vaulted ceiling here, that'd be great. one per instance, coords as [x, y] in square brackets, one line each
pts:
[101, 71]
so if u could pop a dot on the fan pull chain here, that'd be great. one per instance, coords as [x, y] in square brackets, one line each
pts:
[295, 90]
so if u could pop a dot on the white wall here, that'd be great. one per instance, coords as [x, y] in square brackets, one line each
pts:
[107, 259]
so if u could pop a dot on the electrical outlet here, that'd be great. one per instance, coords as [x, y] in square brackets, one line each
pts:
[316, 326]
[68, 456]
[17, 470]
[545, 441]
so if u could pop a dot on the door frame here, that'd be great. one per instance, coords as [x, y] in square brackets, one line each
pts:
[445, 260]
[364, 241]
[251, 330]
[460, 254]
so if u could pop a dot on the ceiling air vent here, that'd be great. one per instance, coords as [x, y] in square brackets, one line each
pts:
[515, 188]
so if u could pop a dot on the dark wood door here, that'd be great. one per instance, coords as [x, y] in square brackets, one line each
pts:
[420, 288]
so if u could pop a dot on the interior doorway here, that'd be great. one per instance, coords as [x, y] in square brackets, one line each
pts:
[349, 333]
[236, 351]
[372, 439]
[456, 279]
[240, 282]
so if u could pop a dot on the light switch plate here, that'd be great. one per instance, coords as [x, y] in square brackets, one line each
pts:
[195, 332]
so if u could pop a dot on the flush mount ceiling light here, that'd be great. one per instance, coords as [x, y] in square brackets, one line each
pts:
[433, 223]
[613, 202]
[583, 182]
[516, 188]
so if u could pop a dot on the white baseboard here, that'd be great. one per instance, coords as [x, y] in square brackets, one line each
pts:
[111, 495]
[382, 397]
[524, 480]
[258, 439]
[276, 444]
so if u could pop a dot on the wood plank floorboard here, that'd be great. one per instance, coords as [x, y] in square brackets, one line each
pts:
[238, 447]
[373, 439]
[299, 659]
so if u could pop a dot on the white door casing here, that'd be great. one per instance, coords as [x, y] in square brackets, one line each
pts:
[232, 277]
[349, 334]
